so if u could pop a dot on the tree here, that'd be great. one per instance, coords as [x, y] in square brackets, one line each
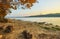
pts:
[5, 5]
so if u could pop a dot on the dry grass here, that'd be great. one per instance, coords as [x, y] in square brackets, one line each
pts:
[36, 30]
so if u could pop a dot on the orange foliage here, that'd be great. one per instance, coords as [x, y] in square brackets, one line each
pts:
[6, 3]
[32, 1]
[27, 1]
[6, 6]
[3, 8]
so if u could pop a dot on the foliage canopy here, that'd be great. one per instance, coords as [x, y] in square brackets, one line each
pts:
[5, 5]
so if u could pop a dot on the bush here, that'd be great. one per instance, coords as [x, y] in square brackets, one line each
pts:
[47, 28]
[24, 35]
[8, 29]
[57, 28]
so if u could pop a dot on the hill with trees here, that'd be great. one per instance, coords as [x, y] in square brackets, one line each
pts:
[47, 15]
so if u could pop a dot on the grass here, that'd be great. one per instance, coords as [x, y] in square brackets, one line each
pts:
[33, 28]
[51, 28]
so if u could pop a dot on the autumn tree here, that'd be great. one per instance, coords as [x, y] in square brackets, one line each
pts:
[5, 6]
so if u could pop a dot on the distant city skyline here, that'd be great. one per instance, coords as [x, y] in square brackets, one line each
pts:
[43, 7]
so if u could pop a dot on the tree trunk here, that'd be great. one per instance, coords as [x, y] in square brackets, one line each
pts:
[2, 19]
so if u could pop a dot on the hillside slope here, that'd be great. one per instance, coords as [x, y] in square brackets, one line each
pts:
[47, 15]
[18, 29]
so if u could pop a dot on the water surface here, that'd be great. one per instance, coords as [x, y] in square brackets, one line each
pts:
[53, 20]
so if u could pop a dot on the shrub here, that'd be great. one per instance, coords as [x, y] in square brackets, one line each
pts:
[8, 29]
[24, 35]
[47, 28]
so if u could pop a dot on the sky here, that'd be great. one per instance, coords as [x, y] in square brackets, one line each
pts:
[43, 7]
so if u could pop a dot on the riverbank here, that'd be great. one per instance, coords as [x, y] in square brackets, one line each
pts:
[18, 29]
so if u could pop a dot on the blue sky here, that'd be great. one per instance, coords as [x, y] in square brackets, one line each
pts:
[43, 7]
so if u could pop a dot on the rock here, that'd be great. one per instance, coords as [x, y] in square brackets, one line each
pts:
[8, 29]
